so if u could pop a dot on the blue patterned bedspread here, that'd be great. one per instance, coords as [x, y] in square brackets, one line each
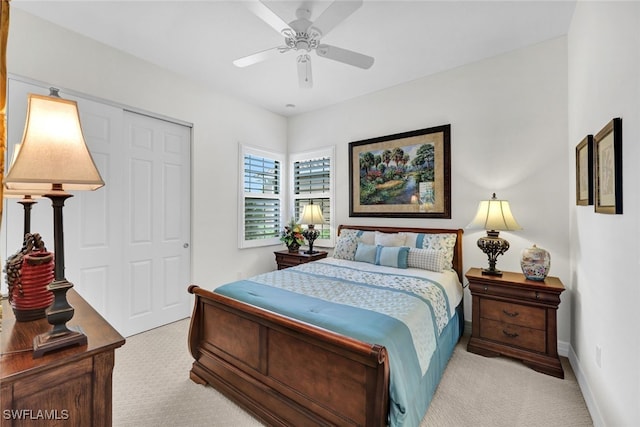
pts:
[404, 313]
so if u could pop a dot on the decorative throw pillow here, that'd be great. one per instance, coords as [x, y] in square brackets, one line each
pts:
[367, 237]
[390, 239]
[414, 240]
[366, 253]
[426, 259]
[444, 242]
[346, 245]
[392, 256]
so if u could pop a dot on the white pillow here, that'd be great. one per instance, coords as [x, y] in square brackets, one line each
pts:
[426, 259]
[390, 239]
[367, 237]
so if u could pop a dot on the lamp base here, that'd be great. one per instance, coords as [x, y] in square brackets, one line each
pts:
[51, 341]
[58, 314]
[311, 234]
[493, 246]
[489, 272]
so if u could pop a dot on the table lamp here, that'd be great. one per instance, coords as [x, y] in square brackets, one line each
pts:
[26, 200]
[311, 215]
[494, 216]
[54, 158]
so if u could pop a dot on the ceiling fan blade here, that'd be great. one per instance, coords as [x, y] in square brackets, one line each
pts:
[337, 12]
[346, 56]
[305, 79]
[260, 56]
[274, 20]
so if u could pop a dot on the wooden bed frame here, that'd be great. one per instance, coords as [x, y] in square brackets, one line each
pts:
[286, 372]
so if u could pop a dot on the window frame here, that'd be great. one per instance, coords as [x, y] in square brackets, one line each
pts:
[244, 150]
[327, 152]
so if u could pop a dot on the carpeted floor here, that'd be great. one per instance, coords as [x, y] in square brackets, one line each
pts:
[151, 387]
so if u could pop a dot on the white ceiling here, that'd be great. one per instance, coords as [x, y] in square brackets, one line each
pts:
[409, 40]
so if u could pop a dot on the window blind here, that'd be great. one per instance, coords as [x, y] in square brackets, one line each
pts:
[312, 183]
[261, 175]
[312, 176]
[261, 209]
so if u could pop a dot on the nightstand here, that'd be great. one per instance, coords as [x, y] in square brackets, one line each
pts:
[286, 259]
[72, 385]
[516, 317]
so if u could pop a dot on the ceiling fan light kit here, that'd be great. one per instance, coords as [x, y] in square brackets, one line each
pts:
[302, 35]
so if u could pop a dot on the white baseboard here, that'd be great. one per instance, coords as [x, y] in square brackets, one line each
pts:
[592, 405]
[467, 327]
[563, 348]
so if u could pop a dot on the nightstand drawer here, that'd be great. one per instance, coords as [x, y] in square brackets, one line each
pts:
[516, 314]
[513, 335]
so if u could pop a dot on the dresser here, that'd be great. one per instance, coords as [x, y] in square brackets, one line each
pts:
[516, 317]
[69, 387]
[286, 259]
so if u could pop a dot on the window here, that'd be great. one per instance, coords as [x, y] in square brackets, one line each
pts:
[261, 197]
[312, 181]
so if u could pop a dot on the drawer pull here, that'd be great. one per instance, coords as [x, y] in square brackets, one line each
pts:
[511, 314]
[510, 334]
[486, 288]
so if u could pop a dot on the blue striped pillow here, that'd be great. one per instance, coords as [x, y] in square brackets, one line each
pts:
[392, 256]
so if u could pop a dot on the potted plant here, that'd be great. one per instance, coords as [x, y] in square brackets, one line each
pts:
[292, 236]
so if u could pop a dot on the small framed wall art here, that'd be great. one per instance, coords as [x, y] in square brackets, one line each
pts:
[607, 153]
[584, 172]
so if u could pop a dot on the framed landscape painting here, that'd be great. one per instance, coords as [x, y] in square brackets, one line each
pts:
[402, 175]
[607, 152]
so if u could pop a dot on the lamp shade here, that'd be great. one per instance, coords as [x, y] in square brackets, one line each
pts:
[53, 150]
[494, 214]
[19, 194]
[311, 214]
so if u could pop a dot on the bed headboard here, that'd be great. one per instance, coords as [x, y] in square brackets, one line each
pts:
[457, 250]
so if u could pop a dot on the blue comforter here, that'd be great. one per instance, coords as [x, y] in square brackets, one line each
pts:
[406, 314]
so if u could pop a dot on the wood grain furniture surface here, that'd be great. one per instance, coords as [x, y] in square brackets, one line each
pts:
[516, 317]
[286, 259]
[69, 387]
[286, 372]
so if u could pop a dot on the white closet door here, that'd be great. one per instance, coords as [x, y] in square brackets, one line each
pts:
[139, 221]
[157, 226]
[93, 241]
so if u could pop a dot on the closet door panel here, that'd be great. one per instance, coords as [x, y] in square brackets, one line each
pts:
[158, 216]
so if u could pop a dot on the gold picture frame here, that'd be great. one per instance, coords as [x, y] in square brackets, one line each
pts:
[607, 153]
[584, 172]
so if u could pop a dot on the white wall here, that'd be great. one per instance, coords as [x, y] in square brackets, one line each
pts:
[45, 52]
[508, 120]
[604, 82]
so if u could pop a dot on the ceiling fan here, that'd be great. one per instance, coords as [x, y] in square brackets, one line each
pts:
[303, 36]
